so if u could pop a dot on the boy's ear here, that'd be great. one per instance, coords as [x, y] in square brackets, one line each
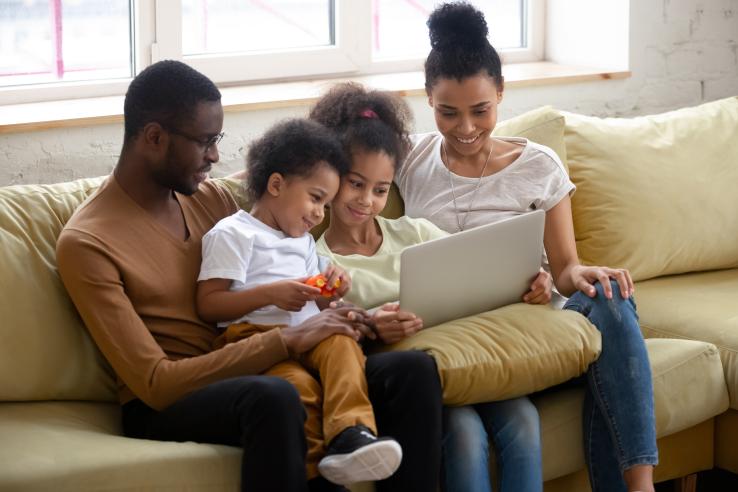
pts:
[275, 183]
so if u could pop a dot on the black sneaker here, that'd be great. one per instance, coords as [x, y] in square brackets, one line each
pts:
[357, 455]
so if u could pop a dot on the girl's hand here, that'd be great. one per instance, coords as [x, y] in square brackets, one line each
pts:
[291, 295]
[393, 325]
[583, 278]
[333, 273]
[540, 290]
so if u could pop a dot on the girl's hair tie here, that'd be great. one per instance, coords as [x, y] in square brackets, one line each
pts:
[369, 114]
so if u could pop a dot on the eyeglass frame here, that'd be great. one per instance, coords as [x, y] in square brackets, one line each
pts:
[206, 145]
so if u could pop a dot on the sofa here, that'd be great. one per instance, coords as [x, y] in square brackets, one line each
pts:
[654, 194]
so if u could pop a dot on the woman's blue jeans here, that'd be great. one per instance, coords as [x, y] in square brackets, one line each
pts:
[618, 417]
[513, 426]
[619, 426]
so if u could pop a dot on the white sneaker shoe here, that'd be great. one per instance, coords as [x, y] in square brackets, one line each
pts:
[357, 455]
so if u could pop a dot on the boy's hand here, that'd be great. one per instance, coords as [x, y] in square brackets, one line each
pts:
[335, 274]
[291, 295]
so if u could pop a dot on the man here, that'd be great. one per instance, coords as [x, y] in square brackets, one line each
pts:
[130, 258]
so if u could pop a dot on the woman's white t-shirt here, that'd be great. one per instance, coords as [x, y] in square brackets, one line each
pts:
[535, 180]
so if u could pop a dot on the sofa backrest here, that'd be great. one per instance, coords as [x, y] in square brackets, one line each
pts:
[45, 351]
[657, 194]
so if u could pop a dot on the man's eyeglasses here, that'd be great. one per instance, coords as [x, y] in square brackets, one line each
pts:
[205, 143]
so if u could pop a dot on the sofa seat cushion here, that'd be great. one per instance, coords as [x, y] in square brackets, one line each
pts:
[698, 306]
[689, 388]
[507, 352]
[75, 446]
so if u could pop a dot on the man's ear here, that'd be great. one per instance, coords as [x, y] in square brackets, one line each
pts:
[275, 183]
[154, 138]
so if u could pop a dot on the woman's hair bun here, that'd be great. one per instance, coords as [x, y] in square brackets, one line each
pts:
[457, 24]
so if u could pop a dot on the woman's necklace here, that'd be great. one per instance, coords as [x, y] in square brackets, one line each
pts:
[461, 221]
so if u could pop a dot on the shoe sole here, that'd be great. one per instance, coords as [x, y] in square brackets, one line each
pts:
[374, 461]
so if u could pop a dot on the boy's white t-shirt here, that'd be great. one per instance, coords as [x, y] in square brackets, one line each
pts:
[535, 180]
[375, 279]
[243, 249]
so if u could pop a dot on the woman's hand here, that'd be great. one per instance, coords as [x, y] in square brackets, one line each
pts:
[393, 325]
[540, 290]
[583, 278]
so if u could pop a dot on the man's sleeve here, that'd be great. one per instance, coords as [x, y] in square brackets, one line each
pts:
[94, 284]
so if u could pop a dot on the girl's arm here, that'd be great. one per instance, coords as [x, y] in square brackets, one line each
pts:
[568, 274]
[215, 302]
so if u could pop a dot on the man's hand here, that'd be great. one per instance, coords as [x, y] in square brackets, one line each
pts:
[393, 324]
[344, 320]
[291, 295]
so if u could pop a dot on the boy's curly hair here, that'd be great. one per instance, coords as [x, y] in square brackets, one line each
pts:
[366, 120]
[291, 148]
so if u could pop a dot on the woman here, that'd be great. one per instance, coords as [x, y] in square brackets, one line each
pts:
[461, 177]
[373, 128]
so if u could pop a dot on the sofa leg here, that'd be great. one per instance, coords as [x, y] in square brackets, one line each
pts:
[686, 484]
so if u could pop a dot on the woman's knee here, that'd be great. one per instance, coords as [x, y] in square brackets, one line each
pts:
[464, 433]
[512, 423]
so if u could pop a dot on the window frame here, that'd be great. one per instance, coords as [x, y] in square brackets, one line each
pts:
[156, 35]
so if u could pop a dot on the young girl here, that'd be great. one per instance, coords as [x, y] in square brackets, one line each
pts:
[460, 177]
[373, 128]
[252, 279]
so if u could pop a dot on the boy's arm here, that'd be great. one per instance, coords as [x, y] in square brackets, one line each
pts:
[215, 302]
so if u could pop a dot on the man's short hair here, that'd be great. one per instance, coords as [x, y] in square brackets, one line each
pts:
[167, 93]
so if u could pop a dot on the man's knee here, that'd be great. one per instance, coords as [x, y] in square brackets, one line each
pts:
[417, 366]
[272, 396]
[414, 371]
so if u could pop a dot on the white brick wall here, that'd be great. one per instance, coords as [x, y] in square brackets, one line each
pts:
[682, 53]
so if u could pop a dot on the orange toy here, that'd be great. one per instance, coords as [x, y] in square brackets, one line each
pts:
[321, 282]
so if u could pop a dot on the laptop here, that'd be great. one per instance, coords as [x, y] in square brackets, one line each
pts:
[472, 271]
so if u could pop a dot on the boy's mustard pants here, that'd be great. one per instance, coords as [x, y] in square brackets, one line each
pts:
[331, 382]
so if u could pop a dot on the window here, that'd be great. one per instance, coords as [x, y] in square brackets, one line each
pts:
[51, 41]
[57, 49]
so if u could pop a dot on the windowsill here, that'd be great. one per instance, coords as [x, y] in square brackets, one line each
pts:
[105, 110]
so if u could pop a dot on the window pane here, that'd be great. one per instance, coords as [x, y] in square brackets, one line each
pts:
[399, 30]
[52, 40]
[229, 26]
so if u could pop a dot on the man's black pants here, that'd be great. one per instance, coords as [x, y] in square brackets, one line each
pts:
[264, 416]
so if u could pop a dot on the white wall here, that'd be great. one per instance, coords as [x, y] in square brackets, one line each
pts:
[681, 53]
